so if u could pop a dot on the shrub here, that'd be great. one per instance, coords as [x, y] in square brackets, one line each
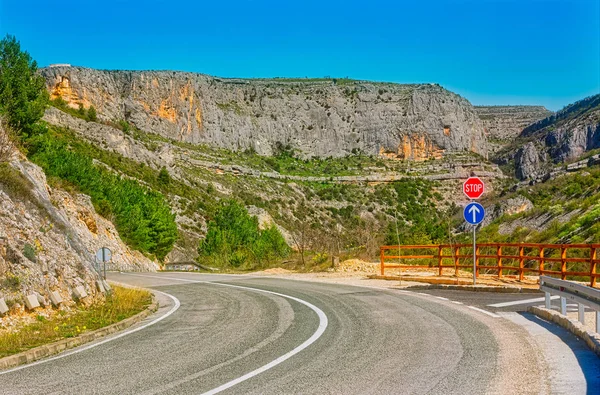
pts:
[124, 125]
[91, 115]
[234, 239]
[29, 252]
[164, 179]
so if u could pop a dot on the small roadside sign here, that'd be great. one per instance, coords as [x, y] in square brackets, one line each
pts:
[103, 255]
[473, 188]
[474, 213]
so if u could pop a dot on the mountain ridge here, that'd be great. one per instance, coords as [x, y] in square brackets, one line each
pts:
[330, 118]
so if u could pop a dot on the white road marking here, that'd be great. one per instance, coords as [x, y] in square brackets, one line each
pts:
[455, 302]
[323, 322]
[442, 298]
[90, 346]
[422, 293]
[517, 302]
[484, 311]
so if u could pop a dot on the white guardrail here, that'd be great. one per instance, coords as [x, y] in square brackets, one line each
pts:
[583, 295]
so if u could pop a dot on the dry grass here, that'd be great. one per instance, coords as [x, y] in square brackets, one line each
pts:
[121, 304]
[7, 146]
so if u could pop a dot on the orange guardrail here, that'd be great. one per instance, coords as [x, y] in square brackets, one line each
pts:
[564, 260]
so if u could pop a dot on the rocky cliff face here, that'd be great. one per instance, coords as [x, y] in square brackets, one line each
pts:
[562, 137]
[507, 122]
[315, 117]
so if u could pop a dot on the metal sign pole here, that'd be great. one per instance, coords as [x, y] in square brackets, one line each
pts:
[474, 257]
[104, 261]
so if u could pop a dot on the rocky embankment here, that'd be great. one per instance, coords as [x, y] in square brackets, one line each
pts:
[47, 243]
[325, 117]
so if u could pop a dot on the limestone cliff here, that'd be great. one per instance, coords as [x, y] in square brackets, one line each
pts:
[325, 117]
[504, 123]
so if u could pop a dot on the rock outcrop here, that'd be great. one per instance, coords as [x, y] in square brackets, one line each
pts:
[562, 137]
[507, 122]
[527, 162]
[321, 118]
[41, 252]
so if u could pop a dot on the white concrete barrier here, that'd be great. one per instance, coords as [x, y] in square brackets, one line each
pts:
[55, 298]
[31, 302]
[3, 307]
[79, 292]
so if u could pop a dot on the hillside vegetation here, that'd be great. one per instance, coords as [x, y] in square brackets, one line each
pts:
[141, 215]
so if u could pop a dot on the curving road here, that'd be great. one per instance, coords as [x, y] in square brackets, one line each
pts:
[299, 337]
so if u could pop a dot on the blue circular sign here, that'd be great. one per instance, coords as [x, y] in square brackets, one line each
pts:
[474, 213]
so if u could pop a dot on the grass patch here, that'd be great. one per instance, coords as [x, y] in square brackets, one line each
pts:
[16, 184]
[120, 304]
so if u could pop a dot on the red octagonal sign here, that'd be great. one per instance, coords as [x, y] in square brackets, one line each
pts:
[473, 188]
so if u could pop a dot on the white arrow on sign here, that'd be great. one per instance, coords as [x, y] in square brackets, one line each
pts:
[474, 210]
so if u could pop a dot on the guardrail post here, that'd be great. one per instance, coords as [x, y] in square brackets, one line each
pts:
[581, 313]
[593, 267]
[521, 263]
[563, 305]
[440, 248]
[563, 262]
[597, 321]
[499, 255]
[547, 300]
[381, 265]
[456, 253]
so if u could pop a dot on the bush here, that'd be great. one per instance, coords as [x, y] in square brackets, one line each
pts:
[234, 239]
[124, 125]
[91, 115]
[29, 252]
[164, 179]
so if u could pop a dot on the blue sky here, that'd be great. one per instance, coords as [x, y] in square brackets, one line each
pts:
[490, 51]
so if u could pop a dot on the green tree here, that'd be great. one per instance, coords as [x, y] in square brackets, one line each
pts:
[235, 239]
[23, 95]
[164, 178]
[92, 116]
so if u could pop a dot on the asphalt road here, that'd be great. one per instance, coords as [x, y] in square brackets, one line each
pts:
[374, 341]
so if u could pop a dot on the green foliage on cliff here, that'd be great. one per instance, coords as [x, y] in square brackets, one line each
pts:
[234, 239]
[417, 220]
[23, 95]
[141, 215]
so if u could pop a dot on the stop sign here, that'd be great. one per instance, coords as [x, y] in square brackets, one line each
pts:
[473, 188]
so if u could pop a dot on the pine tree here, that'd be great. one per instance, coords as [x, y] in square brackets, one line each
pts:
[23, 94]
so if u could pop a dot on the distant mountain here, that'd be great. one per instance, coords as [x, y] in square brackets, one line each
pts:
[325, 117]
[503, 123]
